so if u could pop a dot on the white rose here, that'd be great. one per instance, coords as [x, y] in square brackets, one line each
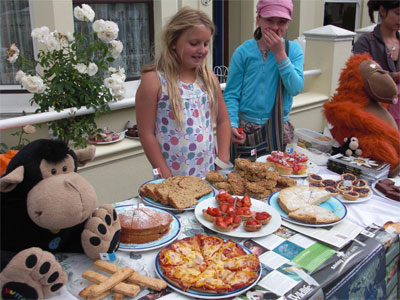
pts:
[78, 13]
[118, 76]
[109, 33]
[99, 25]
[88, 12]
[19, 76]
[40, 34]
[33, 84]
[109, 82]
[81, 68]
[92, 69]
[112, 70]
[29, 129]
[70, 36]
[52, 43]
[12, 53]
[116, 48]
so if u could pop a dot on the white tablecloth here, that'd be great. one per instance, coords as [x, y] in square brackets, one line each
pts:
[376, 210]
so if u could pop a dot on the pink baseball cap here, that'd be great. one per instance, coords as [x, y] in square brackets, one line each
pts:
[275, 8]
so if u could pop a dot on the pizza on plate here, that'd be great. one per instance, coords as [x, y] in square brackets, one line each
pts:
[208, 264]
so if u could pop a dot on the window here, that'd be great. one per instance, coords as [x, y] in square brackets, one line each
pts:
[343, 13]
[15, 28]
[136, 30]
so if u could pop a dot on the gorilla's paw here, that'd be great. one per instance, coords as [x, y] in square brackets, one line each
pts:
[32, 274]
[101, 233]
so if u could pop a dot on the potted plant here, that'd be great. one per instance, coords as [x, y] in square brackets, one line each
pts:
[70, 71]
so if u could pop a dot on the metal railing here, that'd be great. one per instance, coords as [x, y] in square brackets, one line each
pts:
[54, 115]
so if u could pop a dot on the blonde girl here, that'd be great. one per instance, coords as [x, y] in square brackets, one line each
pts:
[179, 100]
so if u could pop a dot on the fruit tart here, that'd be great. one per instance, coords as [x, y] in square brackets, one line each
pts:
[211, 213]
[263, 217]
[226, 224]
[244, 213]
[252, 225]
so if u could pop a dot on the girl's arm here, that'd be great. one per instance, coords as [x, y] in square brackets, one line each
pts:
[146, 108]
[223, 126]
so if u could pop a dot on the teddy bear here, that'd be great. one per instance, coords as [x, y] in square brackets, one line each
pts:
[47, 207]
[355, 110]
[349, 148]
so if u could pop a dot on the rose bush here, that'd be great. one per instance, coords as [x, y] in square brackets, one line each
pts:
[73, 70]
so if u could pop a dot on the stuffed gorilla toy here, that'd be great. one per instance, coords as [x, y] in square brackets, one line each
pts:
[46, 207]
[355, 110]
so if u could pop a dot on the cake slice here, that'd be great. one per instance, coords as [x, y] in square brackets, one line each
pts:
[314, 214]
[197, 186]
[148, 190]
[295, 197]
[181, 198]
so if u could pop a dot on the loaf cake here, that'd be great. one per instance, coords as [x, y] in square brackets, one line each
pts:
[143, 225]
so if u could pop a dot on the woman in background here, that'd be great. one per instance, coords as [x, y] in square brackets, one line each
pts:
[383, 43]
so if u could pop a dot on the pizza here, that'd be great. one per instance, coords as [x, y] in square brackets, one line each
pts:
[208, 264]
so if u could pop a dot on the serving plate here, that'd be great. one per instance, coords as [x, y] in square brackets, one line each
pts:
[202, 295]
[151, 202]
[121, 137]
[240, 232]
[396, 181]
[311, 167]
[168, 238]
[340, 196]
[333, 204]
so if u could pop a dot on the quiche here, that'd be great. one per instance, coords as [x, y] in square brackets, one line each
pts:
[208, 264]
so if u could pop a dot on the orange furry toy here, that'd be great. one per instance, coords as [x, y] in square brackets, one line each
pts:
[354, 110]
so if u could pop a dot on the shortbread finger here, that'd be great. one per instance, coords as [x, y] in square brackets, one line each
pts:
[86, 292]
[122, 288]
[136, 278]
[111, 281]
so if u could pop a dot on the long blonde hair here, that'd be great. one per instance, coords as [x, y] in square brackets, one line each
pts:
[168, 60]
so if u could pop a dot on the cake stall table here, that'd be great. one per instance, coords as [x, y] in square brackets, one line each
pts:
[293, 264]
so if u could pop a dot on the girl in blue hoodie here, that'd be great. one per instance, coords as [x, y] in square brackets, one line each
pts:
[253, 79]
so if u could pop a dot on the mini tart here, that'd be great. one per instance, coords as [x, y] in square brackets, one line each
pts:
[252, 225]
[316, 184]
[333, 190]
[263, 217]
[348, 176]
[283, 168]
[360, 183]
[329, 182]
[312, 177]
[244, 213]
[207, 216]
[363, 191]
[342, 189]
[351, 195]
[226, 224]
[299, 169]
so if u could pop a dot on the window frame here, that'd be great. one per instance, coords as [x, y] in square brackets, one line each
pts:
[357, 23]
[151, 19]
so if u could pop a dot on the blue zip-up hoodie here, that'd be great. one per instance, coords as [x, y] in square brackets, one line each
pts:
[252, 82]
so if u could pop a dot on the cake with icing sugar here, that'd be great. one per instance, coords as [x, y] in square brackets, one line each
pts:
[143, 225]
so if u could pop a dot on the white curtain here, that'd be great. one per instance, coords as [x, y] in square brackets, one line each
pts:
[15, 28]
[134, 32]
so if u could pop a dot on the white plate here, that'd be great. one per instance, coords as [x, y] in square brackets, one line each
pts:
[203, 295]
[170, 207]
[379, 193]
[333, 204]
[121, 137]
[169, 237]
[340, 196]
[311, 167]
[240, 232]
[132, 137]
